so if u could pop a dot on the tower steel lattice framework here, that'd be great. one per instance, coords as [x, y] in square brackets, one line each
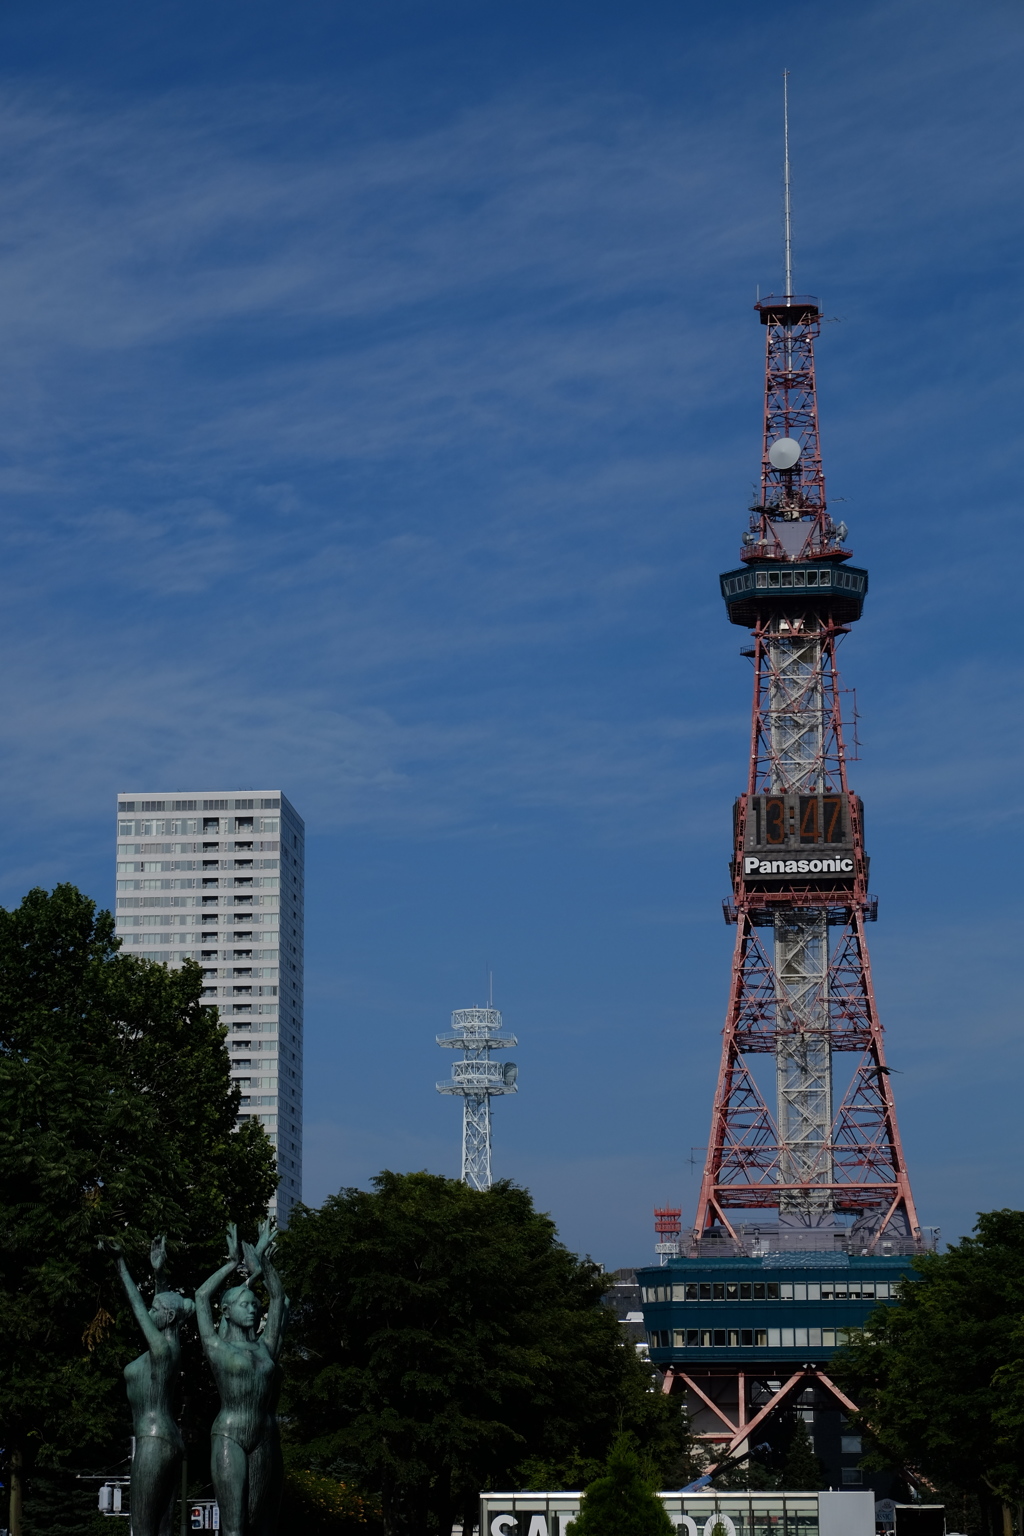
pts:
[476, 1078]
[828, 1153]
[805, 1218]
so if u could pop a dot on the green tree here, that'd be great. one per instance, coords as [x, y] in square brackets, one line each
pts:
[444, 1341]
[659, 1423]
[802, 1470]
[621, 1500]
[318, 1505]
[117, 1120]
[940, 1377]
[747, 1474]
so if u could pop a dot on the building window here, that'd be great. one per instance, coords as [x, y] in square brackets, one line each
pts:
[719, 1338]
[852, 1477]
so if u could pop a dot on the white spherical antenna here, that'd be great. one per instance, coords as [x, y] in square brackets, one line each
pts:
[784, 452]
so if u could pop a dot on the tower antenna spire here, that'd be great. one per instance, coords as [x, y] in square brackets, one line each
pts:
[786, 189]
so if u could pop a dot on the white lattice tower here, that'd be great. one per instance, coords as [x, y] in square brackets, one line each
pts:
[477, 1079]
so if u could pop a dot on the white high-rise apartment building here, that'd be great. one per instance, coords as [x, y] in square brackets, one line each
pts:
[217, 876]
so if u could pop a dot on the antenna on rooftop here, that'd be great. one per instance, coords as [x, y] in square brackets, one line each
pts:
[787, 201]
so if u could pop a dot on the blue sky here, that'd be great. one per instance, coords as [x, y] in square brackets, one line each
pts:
[379, 401]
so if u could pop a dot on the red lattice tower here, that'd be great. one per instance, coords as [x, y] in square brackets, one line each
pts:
[828, 1154]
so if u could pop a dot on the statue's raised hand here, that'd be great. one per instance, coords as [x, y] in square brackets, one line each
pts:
[158, 1253]
[234, 1246]
[266, 1240]
[252, 1259]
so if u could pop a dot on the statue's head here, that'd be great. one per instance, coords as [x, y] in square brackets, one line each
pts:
[239, 1305]
[169, 1309]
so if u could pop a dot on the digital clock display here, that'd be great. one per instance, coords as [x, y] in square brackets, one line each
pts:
[802, 835]
[779, 820]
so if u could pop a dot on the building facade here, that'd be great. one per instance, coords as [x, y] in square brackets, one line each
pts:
[703, 1513]
[217, 876]
[749, 1340]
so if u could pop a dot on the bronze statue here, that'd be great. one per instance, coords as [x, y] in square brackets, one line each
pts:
[245, 1459]
[152, 1380]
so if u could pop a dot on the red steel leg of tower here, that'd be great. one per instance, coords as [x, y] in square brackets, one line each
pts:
[707, 1401]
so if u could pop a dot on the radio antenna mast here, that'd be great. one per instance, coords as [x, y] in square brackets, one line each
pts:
[476, 1079]
[787, 202]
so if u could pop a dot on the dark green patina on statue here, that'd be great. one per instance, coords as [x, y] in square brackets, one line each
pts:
[152, 1385]
[245, 1456]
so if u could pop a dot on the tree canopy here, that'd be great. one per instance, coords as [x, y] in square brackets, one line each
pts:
[444, 1341]
[802, 1470]
[621, 1501]
[117, 1120]
[940, 1377]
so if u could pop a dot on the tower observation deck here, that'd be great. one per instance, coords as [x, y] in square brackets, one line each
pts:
[805, 1219]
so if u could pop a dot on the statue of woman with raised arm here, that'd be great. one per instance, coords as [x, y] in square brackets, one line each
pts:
[152, 1382]
[245, 1459]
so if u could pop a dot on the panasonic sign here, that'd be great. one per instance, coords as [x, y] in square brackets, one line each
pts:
[837, 865]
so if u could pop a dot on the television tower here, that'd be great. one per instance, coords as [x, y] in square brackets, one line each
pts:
[477, 1079]
[804, 1172]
